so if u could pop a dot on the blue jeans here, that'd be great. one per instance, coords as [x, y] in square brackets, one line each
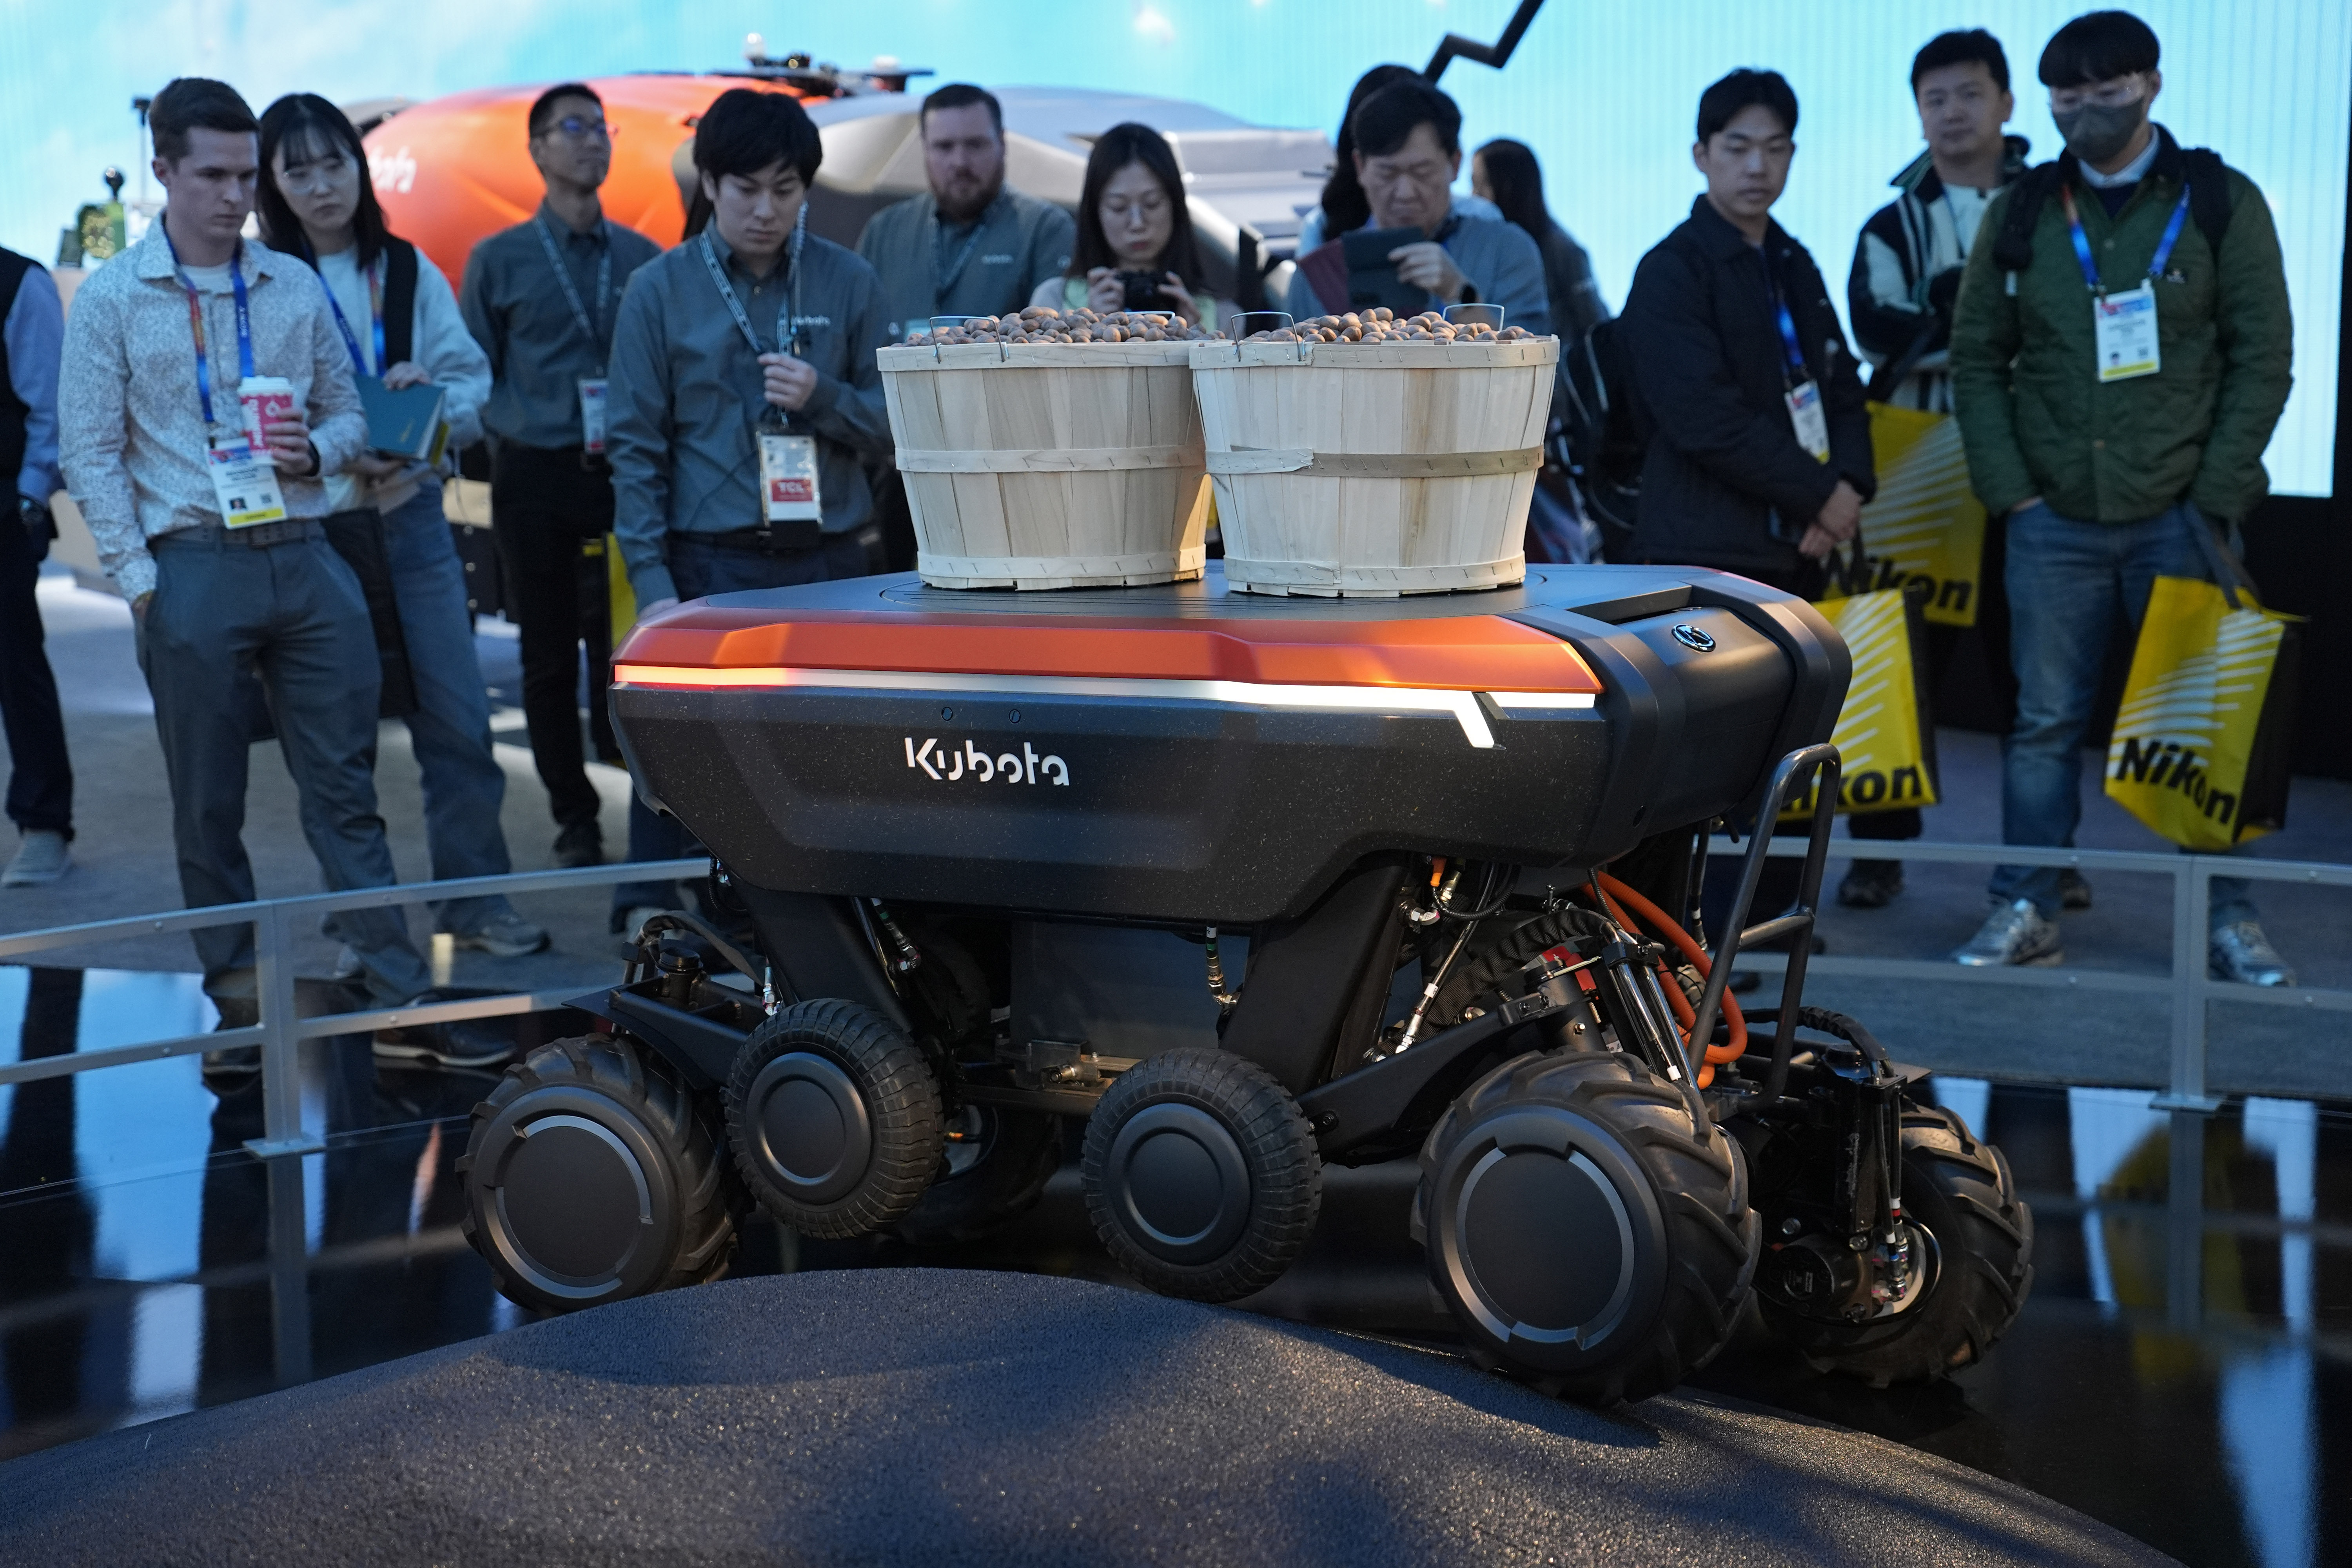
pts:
[293, 614]
[450, 730]
[2070, 585]
[700, 570]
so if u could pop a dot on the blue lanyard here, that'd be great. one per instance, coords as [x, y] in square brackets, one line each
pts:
[375, 307]
[1798, 371]
[2082, 244]
[197, 322]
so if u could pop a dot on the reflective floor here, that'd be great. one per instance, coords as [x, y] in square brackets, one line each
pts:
[2183, 1370]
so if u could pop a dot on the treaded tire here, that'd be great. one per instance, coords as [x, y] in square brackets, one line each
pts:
[1201, 1175]
[591, 1174]
[833, 1114]
[1960, 1188]
[1587, 1236]
[1021, 1151]
[1487, 965]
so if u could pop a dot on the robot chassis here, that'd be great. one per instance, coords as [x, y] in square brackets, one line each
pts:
[1462, 837]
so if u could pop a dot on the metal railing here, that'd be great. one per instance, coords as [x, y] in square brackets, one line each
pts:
[280, 1030]
[2189, 986]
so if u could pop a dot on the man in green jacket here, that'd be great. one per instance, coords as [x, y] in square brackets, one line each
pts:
[2120, 352]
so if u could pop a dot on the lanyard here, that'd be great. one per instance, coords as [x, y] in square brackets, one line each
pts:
[942, 285]
[571, 291]
[1798, 373]
[2082, 244]
[196, 324]
[787, 339]
[375, 310]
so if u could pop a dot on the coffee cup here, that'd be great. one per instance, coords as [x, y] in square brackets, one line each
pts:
[261, 398]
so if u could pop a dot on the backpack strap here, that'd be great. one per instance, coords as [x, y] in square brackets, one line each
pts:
[2012, 250]
[2208, 194]
[399, 301]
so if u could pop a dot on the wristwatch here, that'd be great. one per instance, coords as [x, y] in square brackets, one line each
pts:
[35, 516]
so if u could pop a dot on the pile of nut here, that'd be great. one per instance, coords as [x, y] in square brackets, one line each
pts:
[1381, 326]
[1044, 324]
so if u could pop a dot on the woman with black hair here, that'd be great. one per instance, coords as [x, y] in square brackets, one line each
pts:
[1134, 228]
[1506, 172]
[399, 322]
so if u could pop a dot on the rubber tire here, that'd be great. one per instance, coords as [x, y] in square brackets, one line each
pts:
[1023, 1152]
[1684, 1304]
[1276, 1148]
[1489, 963]
[1961, 1189]
[684, 1233]
[903, 1129]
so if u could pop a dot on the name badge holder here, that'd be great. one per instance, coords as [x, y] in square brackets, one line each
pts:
[2124, 323]
[788, 458]
[593, 388]
[244, 481]
[1807, 416]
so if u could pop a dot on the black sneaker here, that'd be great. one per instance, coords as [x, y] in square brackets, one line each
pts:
[465, 1043]
[228, 1070]
[579, 844]
[2073, 889]
[1871, 884]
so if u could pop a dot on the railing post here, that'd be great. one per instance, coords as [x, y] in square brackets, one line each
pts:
[2192, 893]
[281, 1063]
[289, 1269]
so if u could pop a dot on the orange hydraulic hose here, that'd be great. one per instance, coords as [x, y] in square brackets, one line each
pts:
[1611, 890]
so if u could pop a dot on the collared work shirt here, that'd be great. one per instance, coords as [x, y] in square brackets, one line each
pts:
[131, 432]
[689, 394]
[518, 311]
[929, 266]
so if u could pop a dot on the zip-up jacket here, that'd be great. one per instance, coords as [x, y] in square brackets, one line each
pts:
[2034, 416]
[1907, 269]
[1726, 483]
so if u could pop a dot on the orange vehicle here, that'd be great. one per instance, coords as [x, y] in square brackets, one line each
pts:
[456, 169]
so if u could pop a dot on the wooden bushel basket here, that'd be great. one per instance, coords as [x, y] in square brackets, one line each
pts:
[1050, 465]
[1374, 469]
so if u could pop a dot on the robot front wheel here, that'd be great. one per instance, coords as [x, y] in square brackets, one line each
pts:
[591, 1174]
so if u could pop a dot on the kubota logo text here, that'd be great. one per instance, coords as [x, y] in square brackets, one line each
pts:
[972, 763]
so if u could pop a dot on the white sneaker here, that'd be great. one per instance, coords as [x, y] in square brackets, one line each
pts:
[2240, 951]
[41, 859]
[2013, 933]
[347, 965]
[504, 935]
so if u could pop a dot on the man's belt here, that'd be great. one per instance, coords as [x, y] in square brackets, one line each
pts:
[258, 536]
[767, 538]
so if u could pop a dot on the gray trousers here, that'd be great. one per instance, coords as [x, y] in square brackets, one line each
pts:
[293, 614]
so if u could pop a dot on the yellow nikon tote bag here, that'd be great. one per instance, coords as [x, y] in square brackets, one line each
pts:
[1886, 744]
[2201, 746]
[1925, 525]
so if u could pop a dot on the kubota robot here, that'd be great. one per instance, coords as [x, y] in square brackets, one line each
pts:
[1460, 837]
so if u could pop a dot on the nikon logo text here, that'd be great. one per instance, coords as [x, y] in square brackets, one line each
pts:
[1005, 767]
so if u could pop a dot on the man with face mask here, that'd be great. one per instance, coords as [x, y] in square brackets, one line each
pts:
[2121, 349]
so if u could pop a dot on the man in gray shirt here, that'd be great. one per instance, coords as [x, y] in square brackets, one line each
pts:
[745, 399]
[1408, 151]
[970, 246]
[541, 297]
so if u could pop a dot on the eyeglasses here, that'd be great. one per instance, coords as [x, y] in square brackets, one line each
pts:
[324, 174]
[580, 129]
[2114, 94]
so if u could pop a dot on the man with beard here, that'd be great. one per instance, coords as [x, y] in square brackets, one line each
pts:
[2121, 349]
[968, 247]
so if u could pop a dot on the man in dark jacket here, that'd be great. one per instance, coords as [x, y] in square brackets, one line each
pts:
[1759, 459]
[2118, 364]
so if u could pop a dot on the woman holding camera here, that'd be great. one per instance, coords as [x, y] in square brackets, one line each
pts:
[1135, 249]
